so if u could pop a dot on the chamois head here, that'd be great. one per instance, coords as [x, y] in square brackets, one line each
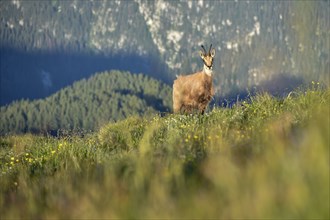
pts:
[207, 57]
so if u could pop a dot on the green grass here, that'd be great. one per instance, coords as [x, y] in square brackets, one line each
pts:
[265, 158]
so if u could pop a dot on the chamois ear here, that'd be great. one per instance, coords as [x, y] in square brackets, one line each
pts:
[213, 52]
[201, 53]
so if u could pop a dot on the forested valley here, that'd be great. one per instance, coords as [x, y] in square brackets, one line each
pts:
[88, 104]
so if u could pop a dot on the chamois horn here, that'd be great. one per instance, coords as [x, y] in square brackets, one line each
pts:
[210, 49]
[203, 49]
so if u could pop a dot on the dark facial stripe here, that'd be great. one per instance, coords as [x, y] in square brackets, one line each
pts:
[209, 66]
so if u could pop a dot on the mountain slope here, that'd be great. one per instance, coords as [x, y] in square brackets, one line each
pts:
[254, 40]
[88, 104]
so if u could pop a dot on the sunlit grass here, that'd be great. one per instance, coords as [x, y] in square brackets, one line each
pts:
[263, 158]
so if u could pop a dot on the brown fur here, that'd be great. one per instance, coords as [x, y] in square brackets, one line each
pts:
[192, 92]
[195, 91]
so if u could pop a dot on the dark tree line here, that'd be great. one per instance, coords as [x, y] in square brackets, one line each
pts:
[87, 104]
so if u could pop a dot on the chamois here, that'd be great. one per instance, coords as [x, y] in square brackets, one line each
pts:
[194, 91]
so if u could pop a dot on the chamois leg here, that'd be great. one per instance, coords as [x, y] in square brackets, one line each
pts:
[176, 108]
[184, 109]
[201, 109]
[177, 105]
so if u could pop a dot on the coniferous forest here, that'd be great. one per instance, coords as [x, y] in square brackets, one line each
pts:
[88, 104]
[47, 45]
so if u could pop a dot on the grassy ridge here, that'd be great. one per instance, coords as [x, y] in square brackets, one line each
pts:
[267, 158]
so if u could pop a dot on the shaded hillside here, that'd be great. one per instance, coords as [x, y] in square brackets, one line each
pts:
[38, 74]
[87, 104]
[254, 41]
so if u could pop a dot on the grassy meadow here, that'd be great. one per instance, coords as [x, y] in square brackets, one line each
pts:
[263, 158]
